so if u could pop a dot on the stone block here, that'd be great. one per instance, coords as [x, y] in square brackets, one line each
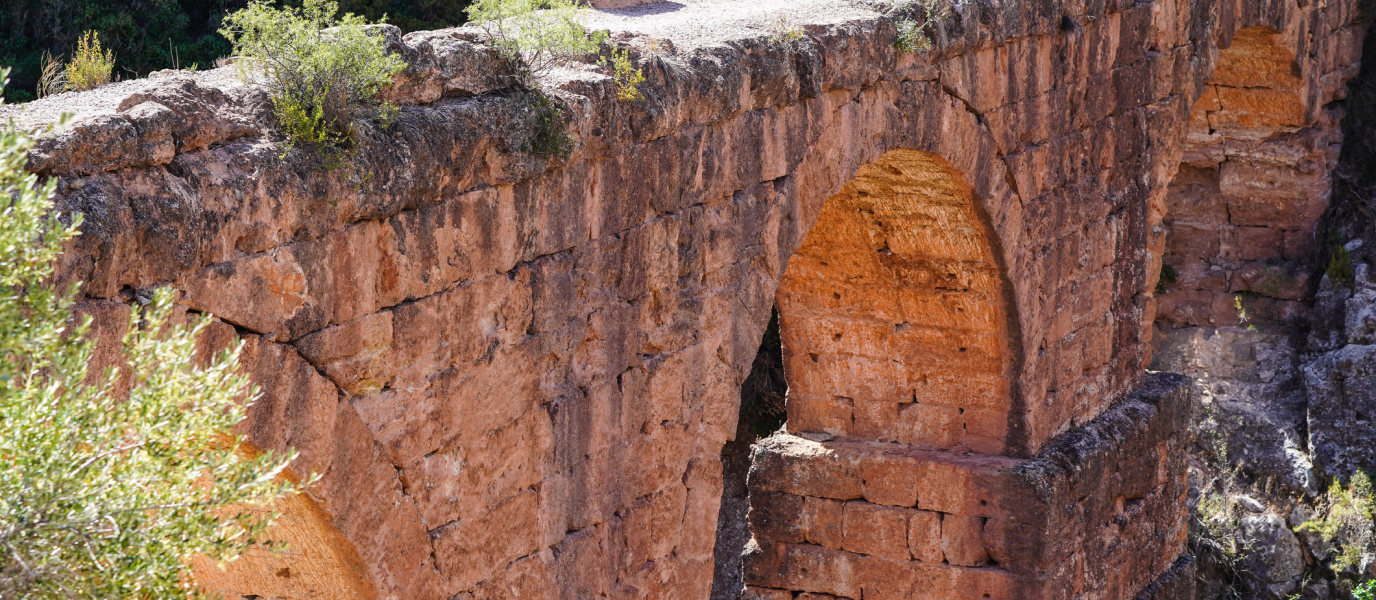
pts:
[1299, 245]
[356, 356]
[875, 530]
[824, 521]
[650, 528]
[777, 517]
[886, 578]
[962, 540]
[760, 593]
[822, 413]
[924, 536]
[803, 467]
[889, 479]
[804, 568]
[965, 389]
[934, 426]
[1275, 281]
[874, 419]
[472, 550]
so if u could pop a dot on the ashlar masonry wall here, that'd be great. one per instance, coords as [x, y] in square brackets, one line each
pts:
[1243, 211]
[515, 374]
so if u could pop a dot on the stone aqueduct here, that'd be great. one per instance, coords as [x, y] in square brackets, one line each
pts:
[516, 375]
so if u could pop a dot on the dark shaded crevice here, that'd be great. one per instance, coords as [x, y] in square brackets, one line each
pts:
[761, 413]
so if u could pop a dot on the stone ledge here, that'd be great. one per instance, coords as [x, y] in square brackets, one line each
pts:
[1103, 504]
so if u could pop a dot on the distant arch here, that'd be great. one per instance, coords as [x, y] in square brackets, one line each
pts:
[317, 561]
[893, 312]
[1256, 89]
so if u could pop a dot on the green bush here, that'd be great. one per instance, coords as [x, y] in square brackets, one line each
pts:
[103, 495]
[91, 66]
[1365, 591]
[321, 73]
[626, 76]
[911, 18]
[1339, 269]
[536, 35]
[1350, 510]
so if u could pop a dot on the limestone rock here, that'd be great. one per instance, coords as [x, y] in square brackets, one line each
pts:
[1274, 557]
[205, 115]
[1341, 386]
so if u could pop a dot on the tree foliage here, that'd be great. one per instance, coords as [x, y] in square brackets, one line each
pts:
[321, 72]
[145, 35]
[104, 494]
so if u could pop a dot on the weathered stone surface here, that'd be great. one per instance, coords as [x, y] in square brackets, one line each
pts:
[447, 62]
[1255, 176]
[1340, 399]
[515, 374]
[1104, 501]
[1274, 553]
[1250, 399]
[1175, 584]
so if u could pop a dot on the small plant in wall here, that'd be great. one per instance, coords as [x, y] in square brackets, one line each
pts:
[321, 72]
[1347, 521]
[912, 18]
[536, 36]
[1242, 317]
[627, 77]
[785, 31]
[548, 137]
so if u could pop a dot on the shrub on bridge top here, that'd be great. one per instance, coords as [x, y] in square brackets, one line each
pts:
[537, 35]
[913, 20]
[91, 66]
[321, 72]
[105, 494]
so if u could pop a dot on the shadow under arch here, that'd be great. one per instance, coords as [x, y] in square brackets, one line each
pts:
[317, 561]
[894, 313]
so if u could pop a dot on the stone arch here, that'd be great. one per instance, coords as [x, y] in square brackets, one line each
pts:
[893, 312]
[1251, 186]
[316, 562]
[1256, 89]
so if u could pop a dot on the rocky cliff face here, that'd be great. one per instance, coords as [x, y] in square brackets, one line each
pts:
[516, 374]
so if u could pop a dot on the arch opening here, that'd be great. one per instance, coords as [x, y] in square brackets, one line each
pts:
[1252, 184]
[312, 559]
[893, 313]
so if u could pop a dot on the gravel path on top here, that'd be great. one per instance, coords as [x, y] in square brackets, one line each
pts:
[104, 99]
[697, 23]
[689, 24]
